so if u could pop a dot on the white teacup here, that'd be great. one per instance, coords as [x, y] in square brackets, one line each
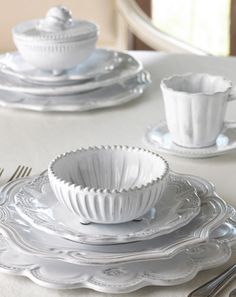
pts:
[195, 105]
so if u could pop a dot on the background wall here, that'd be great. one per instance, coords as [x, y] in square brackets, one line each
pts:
[100, 11]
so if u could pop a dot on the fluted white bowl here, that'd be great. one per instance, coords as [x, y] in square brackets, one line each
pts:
[109, 184]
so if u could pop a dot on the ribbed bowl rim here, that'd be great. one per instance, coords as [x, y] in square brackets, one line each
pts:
[70, 185]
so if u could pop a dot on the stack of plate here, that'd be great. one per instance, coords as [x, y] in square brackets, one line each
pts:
[106, 78]
[190, 229]
[58, 68]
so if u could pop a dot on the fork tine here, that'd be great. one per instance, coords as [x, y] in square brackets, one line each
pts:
[20, 172]
[1, 171]
[43, 172]
[29, 171]
[14, 174]
[26, 171]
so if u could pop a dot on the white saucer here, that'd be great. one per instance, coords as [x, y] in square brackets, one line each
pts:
[159, 138]
[37, 204]
[127, 69]
[23, 237]
[101, 62]
[113, 95]
[123, 278]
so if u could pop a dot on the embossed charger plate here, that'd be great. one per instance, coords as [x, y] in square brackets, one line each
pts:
[122, 278]
[159, 138]
[23, 237]
[38, 205]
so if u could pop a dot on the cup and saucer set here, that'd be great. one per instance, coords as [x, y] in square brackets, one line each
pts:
[195, 106]
[58, 68]
[113, 219]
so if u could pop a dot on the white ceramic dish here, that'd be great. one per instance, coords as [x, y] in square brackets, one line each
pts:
[37, 204]
[57, 42]
[195, 105]
[25, 238]
[108, 184]
[127, 69]
[159, 138]
[126, 277]
[101, 61]
[113, 95]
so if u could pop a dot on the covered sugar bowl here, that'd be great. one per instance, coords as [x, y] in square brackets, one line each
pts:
[57, 42]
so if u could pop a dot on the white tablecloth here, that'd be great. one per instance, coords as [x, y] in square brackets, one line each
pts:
[33, 139]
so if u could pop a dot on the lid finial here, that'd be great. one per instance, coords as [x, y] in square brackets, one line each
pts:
[57, 18]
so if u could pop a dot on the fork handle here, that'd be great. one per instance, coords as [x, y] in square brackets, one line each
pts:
[212, 287]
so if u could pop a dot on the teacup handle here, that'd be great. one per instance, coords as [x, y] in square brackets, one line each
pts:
[232, 94]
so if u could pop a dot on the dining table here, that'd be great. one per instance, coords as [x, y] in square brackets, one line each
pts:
[34, 138]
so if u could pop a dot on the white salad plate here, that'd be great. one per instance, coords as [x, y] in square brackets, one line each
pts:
[122, 278]
[112, 95]
[159, 138]
[101, 62]
[38, 205]
[22, 236]
[128, 68]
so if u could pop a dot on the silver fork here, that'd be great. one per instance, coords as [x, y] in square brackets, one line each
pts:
[1, 171]
[21, 171]
[232, 293]
[215, 285]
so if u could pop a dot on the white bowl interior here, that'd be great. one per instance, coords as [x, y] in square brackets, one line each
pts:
[114, 169]
[197, 83]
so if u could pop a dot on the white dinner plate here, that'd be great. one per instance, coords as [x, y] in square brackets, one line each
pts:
[112, 95]
[25, 238]
[128, 68]
[126, 277]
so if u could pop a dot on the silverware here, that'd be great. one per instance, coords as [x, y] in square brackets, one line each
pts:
[43, 172]
[1, 171]
[212, 287]
[21, 171]
[232, 293]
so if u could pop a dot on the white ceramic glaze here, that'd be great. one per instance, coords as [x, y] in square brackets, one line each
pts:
[112, 95]
[26, 239]
[108, 184]
[195, 107]
[160, 139]
[101, 61]
[37, 204]
[57, 42]
[123, 278]
[127, 69]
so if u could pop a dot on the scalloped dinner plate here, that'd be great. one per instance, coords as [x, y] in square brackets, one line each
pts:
[128, 68]
[109, 96]
[126, 277]
[25, 238]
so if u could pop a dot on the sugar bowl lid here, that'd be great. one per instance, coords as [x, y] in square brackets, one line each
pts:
[57, 26]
